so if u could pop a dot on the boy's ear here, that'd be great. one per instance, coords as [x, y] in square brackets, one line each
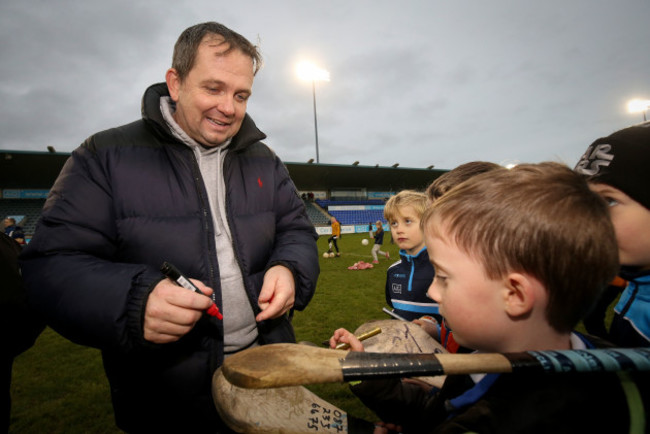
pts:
[520, 293]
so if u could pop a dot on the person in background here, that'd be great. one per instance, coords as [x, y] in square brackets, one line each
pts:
[336, 234]
[617, 168]
[490, 240]
[379, 240]
[20, 325]
[14, 231]
[191, 183]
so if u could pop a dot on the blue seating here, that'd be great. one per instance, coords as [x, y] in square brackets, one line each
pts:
[315, 215]
[354, 217]
[327, 202]
[359, 217]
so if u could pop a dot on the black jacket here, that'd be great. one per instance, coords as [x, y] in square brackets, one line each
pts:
[130, 198]
[407, 283]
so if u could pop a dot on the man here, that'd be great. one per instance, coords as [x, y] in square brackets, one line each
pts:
[189, 183]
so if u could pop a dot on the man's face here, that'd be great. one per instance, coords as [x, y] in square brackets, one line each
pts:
[631, 222]
[405, 230]
[7, 223]
[211, 100]
[470, 302]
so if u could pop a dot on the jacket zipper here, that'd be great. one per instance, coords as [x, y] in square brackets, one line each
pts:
[196, 175]
[233, 228]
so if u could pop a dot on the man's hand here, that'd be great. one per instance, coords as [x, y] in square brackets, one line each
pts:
[278, 293]
[172, 311]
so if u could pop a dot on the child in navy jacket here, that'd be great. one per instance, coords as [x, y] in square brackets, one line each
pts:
[409, 278]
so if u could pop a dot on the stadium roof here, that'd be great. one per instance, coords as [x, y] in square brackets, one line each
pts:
[331, 176]
[38, 170]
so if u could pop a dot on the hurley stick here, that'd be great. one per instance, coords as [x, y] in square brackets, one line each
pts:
[279, 365]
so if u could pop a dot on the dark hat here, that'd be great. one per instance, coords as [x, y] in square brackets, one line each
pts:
[621, 160]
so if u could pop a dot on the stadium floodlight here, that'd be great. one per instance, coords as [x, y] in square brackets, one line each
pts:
[307, 71]
[639, 105]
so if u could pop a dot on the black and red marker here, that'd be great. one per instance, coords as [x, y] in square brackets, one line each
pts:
[172, 272]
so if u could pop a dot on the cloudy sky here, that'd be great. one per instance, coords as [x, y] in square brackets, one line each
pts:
[413, 82]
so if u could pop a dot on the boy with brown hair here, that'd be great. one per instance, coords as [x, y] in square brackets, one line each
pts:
[520, 257]
[436, 189]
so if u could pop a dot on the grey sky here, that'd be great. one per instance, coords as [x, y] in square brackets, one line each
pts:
[415, 82]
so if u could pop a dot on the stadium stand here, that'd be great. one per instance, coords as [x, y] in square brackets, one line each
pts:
[327, 202]
[359, 217]
[316, 216]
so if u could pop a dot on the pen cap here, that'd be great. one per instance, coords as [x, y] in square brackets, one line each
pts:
[214, 311]
[170, 271]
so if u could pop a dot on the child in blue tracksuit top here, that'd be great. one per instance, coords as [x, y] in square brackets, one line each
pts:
[618, 169]
[408, 279]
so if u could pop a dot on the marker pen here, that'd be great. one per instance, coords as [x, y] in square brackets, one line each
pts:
[361, 337]
[172, 272]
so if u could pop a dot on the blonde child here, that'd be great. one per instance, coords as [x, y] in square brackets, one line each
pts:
[379, 240]
[409, 278]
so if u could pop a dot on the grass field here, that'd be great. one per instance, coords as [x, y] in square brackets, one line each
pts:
[60, 387]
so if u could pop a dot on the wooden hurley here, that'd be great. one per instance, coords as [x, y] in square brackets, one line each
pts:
[279, 365]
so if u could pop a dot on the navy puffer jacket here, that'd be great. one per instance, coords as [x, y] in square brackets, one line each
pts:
[130, 198]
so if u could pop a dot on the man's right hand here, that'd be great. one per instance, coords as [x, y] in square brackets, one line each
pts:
[172, 311]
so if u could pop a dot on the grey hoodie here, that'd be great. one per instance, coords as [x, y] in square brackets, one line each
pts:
[240, 327]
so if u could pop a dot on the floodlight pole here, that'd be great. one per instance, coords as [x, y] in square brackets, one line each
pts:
[313, 88]
[307, 71]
